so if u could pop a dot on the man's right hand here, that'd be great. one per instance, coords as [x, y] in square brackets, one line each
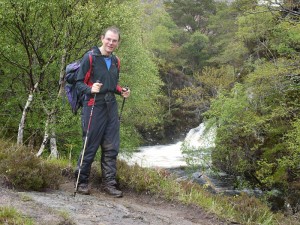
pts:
[96, 88]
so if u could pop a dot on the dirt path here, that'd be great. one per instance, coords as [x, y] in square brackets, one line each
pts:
[61, 207]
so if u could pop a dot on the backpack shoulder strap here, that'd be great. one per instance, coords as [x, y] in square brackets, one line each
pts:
[91, 61]
[88, 75]
[118, 62]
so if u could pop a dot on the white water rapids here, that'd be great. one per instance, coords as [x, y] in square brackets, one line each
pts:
[170, 156]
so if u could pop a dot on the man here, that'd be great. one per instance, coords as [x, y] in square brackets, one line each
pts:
[100, 84]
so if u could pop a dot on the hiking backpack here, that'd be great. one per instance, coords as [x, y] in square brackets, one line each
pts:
[75, 97]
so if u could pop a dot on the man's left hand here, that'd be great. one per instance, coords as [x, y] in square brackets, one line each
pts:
[125, 92]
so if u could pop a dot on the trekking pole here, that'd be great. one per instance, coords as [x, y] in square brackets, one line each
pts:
[123, 103]
[84, 146]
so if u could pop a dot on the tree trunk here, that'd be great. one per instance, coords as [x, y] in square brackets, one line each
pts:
[47, 136]
[53, 145]
[51, 118]
[24, 115]
[45, 140]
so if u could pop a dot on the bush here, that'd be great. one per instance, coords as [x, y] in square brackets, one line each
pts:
[23, 170]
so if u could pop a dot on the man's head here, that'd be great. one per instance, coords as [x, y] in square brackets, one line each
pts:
[110, 40]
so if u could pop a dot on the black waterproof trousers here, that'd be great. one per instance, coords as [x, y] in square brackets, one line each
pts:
[104, 131]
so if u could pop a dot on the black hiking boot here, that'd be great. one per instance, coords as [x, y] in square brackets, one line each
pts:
[83, 189]
[113, 191]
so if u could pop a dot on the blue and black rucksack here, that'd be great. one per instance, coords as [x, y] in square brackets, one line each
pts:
[75, 97]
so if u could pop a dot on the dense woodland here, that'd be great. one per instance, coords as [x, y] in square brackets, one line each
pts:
[235, 64]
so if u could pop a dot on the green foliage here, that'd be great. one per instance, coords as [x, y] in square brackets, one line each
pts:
[142, 107]
[130, 139]
[138, 70]
[196, 158]
[32, 42]
[243, 6]
[23, 170]
[266, 34]
[255, 31]
[231, 113]
[216, 80]
[196, 50]
[293, 141]
[286, 39]
[190, 14]
[260, 212]
[225, 47]
[68, 131]
[39, 38]
[208, 84]
[252, 120]
[255, 26]
[158, 30]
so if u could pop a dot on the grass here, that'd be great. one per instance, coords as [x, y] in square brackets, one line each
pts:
[242, 209]
[41, 174]
[10, 216]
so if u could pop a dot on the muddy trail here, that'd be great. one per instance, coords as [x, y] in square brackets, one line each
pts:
[60, 207]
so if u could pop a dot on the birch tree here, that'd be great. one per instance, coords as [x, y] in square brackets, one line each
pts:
[43, 32]
[38, 39]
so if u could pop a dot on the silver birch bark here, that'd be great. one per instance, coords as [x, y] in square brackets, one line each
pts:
[53, 146]
[51, 118]
[45, 140]
[24, 115]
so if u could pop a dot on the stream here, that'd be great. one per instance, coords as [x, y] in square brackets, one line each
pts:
[170, 157]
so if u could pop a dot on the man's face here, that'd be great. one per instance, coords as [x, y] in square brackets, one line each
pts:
[110, 41]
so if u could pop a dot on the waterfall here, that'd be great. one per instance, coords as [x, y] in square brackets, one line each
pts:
[199, 137]
[170, 156]
[158, 156]
[197, 145]
[173, 157]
